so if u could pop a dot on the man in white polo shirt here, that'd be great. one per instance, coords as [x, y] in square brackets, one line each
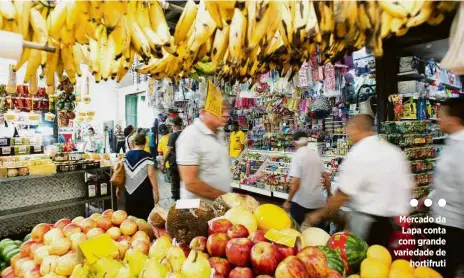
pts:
[375, 178]
[203, 157]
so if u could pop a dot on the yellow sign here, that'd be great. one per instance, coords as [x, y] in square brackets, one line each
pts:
[214, 100]
[98, 247]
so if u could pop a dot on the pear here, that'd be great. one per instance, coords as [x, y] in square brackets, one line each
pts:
[196, 266]
[106, 268]
[135, 260]
[125, 272]
[174, 259]
[80, 271]
[159, 248]
[153, 269]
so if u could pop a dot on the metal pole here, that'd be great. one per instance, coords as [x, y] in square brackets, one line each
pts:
[38, 46]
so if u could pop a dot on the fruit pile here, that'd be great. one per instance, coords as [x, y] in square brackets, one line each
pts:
[8, 249]
[242, 39]
[378, 263]
[52, 249]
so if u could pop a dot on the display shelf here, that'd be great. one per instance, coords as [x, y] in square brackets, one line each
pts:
[256, 190]
[280, 195]
[51, 175]
[235, 185]
[414, 75]
[17, 212]
[440, 137]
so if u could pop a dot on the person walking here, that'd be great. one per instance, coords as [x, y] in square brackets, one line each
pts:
[202, 157]
[306, 192]
[448, 194]
[237, 141]
[120, 140]
[128, 132]
[170, 158]
[141, 188]
[91, 142]
[374, 177]
[142, 131]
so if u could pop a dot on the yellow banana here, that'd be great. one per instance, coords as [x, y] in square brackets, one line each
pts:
[60, 68]
[266, 21]
[111, 15]
[67, 37]
[24, 8]
[116, 64]
[220, 44]
[121, 37]
[107, 59]
[436, 18]
[91, 29]
[7, 10]
[395, 8]
[68, 62]
[237, 35]
[83, 7]
[81, 28]
[96, 10]
[158, 22]
[423, 15]
[51, 65]
[204, 27]
[71, 15]
[185, 21]
[39, 26]
[77, 56]
[143, 19]
[213, 10]
[57, 19]
[386, 20]
[35, 58]
[397, 24]
[138, 38]
[94, 55]
[286, 25]
[226, 13]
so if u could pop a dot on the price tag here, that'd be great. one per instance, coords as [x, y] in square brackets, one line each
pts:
[6, 150]
[98, 247]
[188, 204]
[213, 100]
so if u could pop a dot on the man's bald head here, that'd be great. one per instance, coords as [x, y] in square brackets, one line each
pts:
[359, 127]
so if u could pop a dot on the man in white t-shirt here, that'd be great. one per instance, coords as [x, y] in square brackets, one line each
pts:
[306, 192]
[375, 178]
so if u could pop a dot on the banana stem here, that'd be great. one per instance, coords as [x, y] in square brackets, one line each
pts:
[39, 46]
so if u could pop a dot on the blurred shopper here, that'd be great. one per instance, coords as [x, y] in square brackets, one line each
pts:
[120, 140]
[375, 178]
[163, 143]
[306, 193]
[170, 158]
[202, 157]
[237, 141]
[128, 132]
[91, 142]
[448, 194]
[141, 188]
[142, 131]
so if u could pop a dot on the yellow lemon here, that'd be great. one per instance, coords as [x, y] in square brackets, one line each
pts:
[379, 253]
[402, 265]
[398, 273]
[426, 272]
[270, 216]
[372, 268]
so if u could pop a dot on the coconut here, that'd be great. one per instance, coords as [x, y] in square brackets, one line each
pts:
[185, 224]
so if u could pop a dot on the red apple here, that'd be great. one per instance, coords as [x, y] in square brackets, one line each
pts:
[87, 225]
[108, 213]
[39, 231]
[128, 227]
[221, 266]
[118, 217]
[265, 258]
[241, 272]
[315, 261]
[114, 233]
[78, 220]
[333, 274]
[62, 223]
[238, 251]
[263, 276]
[70, 229]
[285, 251]
[216, 244]
[8, 273]
[237, 231]
[291, 267]
[33, 273]
[141, 246]
[94, 233]
[257, 236]
[219, 226]
[104, 222]
[25, 248]
[198, 243]
[34, 247]
[94, 216]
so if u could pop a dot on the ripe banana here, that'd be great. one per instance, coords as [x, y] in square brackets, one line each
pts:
[237, 35]
[77, 56]
[204, 27]
[138, 38]
[395, 8]
[386, 22]
[185, 21]
[57, 19]
[94, 56]
[221, 41]
[143, 19]
[51, 65]
[111, 15]
[158, 22]
[68, 62]
[7, 10]
[423, 15]
[286, 26]
[71, 15]
[213, 10]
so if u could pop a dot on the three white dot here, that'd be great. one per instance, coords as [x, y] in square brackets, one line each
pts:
[427, 202]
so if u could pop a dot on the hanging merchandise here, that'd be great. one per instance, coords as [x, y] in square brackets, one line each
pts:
[321, 108]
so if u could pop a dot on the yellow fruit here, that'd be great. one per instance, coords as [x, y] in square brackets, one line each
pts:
[240, 215]
[270, 216]
[398, 273]
[372, 268]
[426, 272]
[379, 253]
[402, 265]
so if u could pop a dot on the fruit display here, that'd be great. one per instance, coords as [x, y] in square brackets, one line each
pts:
[241, 40]
[229, 200]
[8, 249]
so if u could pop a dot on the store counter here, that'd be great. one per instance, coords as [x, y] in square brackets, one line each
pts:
[29, 200]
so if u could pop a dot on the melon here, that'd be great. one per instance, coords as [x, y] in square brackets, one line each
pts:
[185, 224]
[315, 237]
[231, 200]
[240, 215]
[269, 216]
